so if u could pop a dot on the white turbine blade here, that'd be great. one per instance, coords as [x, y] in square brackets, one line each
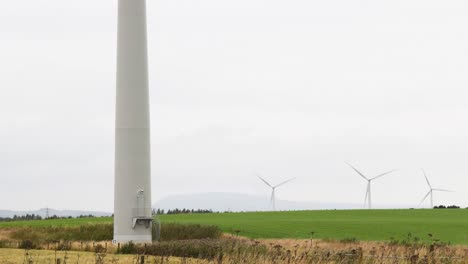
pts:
[442, 190]
[284, 182]
[424, 198]
[383, 174]
[367, 193]
[427, 180]
[264, 181]
[362, 175]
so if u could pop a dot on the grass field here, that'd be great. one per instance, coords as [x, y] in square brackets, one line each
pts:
[449, 225]
[57, 222]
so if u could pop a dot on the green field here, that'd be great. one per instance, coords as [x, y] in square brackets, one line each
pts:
[449, 225]
[56, 222]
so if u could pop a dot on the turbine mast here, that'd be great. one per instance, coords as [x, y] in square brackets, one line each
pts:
[273, 198]
[432, 199]
[370, 199]
[132, 200]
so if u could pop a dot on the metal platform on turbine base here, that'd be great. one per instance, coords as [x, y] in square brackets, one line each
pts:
[142, 221]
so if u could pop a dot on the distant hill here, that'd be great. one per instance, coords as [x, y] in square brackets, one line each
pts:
[61, 213]
[237, 202]
[216, 201]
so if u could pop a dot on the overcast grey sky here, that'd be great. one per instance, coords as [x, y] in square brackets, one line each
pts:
[289, 88]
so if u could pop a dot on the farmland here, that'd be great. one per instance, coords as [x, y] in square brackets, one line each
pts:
[334, 236]
[448, 225]
[57, 222]
[378, 225]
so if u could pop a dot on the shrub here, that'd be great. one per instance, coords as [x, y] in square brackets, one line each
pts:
[349, 240]
[64, 246]
[4, 243]
[100, 232]
[27, 244]
[197, 248]
[104, 232]
[129, 248]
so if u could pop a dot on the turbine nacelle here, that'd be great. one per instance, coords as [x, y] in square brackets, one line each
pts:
[368, 199]
[273, 188]
[431, 191]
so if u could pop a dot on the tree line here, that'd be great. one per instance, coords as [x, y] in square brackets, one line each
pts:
[30, 217]
[21, 218]
[447, 207]
[182, 211]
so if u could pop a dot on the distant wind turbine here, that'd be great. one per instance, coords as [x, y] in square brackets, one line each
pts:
[431, 191]
[273, 188]
[368, 199]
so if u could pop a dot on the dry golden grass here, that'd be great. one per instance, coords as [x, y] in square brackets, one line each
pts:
[47, 256]
[301, 251]
[367, 246]
[5, 233]
[293, 251]
[280, 251]
[15, 256]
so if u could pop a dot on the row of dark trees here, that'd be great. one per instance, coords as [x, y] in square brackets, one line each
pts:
[182, 211]
[447, 207]
[21, 218]
[29, 217]
[70, 217]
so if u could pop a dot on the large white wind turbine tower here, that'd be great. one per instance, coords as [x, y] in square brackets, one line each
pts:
[132, 200]
[368, 198]
[431, 191]
[273, 189]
